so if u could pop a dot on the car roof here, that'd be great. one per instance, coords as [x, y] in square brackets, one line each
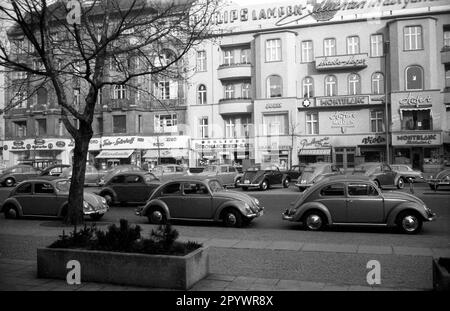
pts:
[347, 178]
[191, 179]
[44, 179]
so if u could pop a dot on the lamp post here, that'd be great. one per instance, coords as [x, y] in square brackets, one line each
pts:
[386, 109]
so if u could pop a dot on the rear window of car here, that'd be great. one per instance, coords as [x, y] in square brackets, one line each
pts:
[133, 179]
[118, 179]
[333, 190]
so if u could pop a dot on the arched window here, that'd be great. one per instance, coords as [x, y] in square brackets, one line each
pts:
[354, 84]
[414, 78]
[308, 87]
[201, 94]
[377, 83]
[274, 86]
[330, 86]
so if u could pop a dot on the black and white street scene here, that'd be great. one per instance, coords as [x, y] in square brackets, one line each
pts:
[224, 145]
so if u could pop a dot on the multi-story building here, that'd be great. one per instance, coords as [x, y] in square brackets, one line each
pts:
[311, 81]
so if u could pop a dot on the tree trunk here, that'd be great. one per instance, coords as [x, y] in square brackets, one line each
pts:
[74, 214]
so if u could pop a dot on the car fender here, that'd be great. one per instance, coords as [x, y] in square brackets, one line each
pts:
[61, 208]
[158, 203]
[304, 208]
[108, 190]
[14, 202]
[392, 216]
[239, 205]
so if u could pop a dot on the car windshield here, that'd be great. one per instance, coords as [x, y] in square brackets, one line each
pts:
[215, 186]
[63, 185]
[309, 169]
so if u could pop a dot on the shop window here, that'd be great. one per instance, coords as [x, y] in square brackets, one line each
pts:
[376, 45]
[166, 123]
[329, 47]
[376, 121]
[273, 50]
[402, 156]
[312, 123]
[354, 84]
[307, 51]
[353, 45]
[431, 156]
[308, 87]
[201, 61]
[274, 86]
[377, 83]
[330, 86]
[201, 95]
[120, 124]
[416, 120]
[414, 78]
[275, 124]
[412, 38]
[20, 128]
[41, 127]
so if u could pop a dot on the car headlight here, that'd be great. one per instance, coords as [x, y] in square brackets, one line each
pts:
[256, 201]
[103, 200]
[87, 206]
[247, 208]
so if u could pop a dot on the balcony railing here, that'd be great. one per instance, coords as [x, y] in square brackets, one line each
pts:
[235, 99]
[234, 65]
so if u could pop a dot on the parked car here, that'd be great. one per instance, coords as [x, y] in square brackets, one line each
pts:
[54, 170]
[43, 197]
[315, 172]
[348, 199]
[200, 198]
[295, 171]
[226, 174]
[129, 187]
[381, 173]
[441, 179]
[407, 173]
[92, 175]
[118, 169]
[169, 171]
[18, 173]
[263, 178]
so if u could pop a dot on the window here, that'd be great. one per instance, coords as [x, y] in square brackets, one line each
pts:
[201, 61]
[329, 47]
[120, 179]
[43, 188]
[19, 100]
[204, 127]
[134, 179]
[377, 121]
[228, 57]
[201, 95]
[308, 87]
[140, 124]
[330, 86]
[230, 127]
[19, 75]
[246, 90]
[245, 56]
[20, 128]
[446, 38]
[312, 123]
[60, 128]
[275, 124]
[246, 127]
[307, 51]
[120, 124]
[171, 189]
[166, 89]
[412, 38]
[273, 50]
[120, 92]
[333, 190]
[414, 78]
[195, 189]
[17, 46]
[413, 120]
[229, 91]
[377, 83]
[353, 45]
[274, 86]
[362, 190]
[99, 125]
[76, 97]
[354, 84]
[166, 123]
[42, 97]
[447, 76]
[41, 127]
[164, 58]
[376, 45]
[24, 189]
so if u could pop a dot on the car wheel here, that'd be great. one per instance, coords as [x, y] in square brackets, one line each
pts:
[245, 188]
[409, 222]
[96, 216]
[237, 182]
[400, 183]
[301, 189]
[264, 185]
[11, 212]
[314, 221]
[156, 216]
[232, 218]
[378, 184]
[286, 183]
[9, 182]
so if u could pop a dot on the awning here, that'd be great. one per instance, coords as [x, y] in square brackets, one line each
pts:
[414, 109]
[110, 154]
[318, 151]
[166, 153]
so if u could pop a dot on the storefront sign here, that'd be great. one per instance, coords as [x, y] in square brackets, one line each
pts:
[273, 106]
[341, 62]
[222, 144]
[343, 100]
[415, 100]
[119, 141]
[342, 119]
[373, 140]
[315, 142]
[39, 142]
[60, 144]
[35, 144]
[416, 139]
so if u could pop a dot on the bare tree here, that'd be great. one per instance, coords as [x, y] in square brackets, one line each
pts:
[97, 46]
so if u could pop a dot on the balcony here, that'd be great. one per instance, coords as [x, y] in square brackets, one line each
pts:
[447, 94]
[235, 105]
[445, 55]
[234, 71]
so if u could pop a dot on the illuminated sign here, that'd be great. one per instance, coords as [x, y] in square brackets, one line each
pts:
[341, 62]
[343, 100]
[416, 139]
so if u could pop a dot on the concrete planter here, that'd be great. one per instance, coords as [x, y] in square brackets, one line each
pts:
[162, 271]
[441, 276]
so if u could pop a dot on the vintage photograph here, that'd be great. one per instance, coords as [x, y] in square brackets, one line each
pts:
[251, 146]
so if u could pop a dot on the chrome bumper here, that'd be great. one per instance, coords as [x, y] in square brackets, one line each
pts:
[303, 185]
[258, 214]
[285, 216]
[247, 185]
[99, 211]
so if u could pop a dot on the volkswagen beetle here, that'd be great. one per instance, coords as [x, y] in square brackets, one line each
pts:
[355, 200]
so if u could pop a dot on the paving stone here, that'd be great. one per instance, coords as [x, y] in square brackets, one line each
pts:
[335, 288]
[244, 279]
[271, 282]
[252, 244]
[220, 277]
[221, 243]
[261, 287]
[412, 251]
[285, 245]
[324, 247]
[288, 284]
[374, 249]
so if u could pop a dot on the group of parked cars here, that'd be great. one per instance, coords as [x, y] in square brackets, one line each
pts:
[173, 192]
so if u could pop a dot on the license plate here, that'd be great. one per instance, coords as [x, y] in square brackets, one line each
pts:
[246, 181]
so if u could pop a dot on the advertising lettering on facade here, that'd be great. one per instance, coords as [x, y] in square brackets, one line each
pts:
[343, 100]
[341, 62]
[35, 144]
[415, 100]
[273, 106]
[373, 140]
[222, 144]
[315, 142]
[342, 119]
[417, 139]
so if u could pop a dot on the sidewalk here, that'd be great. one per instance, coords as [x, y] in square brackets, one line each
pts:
[20, 275]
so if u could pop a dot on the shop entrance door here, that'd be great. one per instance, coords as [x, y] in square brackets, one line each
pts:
[345, 157]
[417, 158]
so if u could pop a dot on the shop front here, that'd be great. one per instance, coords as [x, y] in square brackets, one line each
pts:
[166, 150]
[119, 150]
[274, 150]
[238, 152]
[314, 149]
[38, 152]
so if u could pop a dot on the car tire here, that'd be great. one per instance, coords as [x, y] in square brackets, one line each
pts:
[96, 217]
[409, 222]
[9, 182]
[245, 188]
[232, 218]
[314, 220]
[264, 185]
[286, 183]
[11, 212]
[156, 216]
[237, 182]
[108, 197]
[401, 183]
[378, 184]
[301, 189]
